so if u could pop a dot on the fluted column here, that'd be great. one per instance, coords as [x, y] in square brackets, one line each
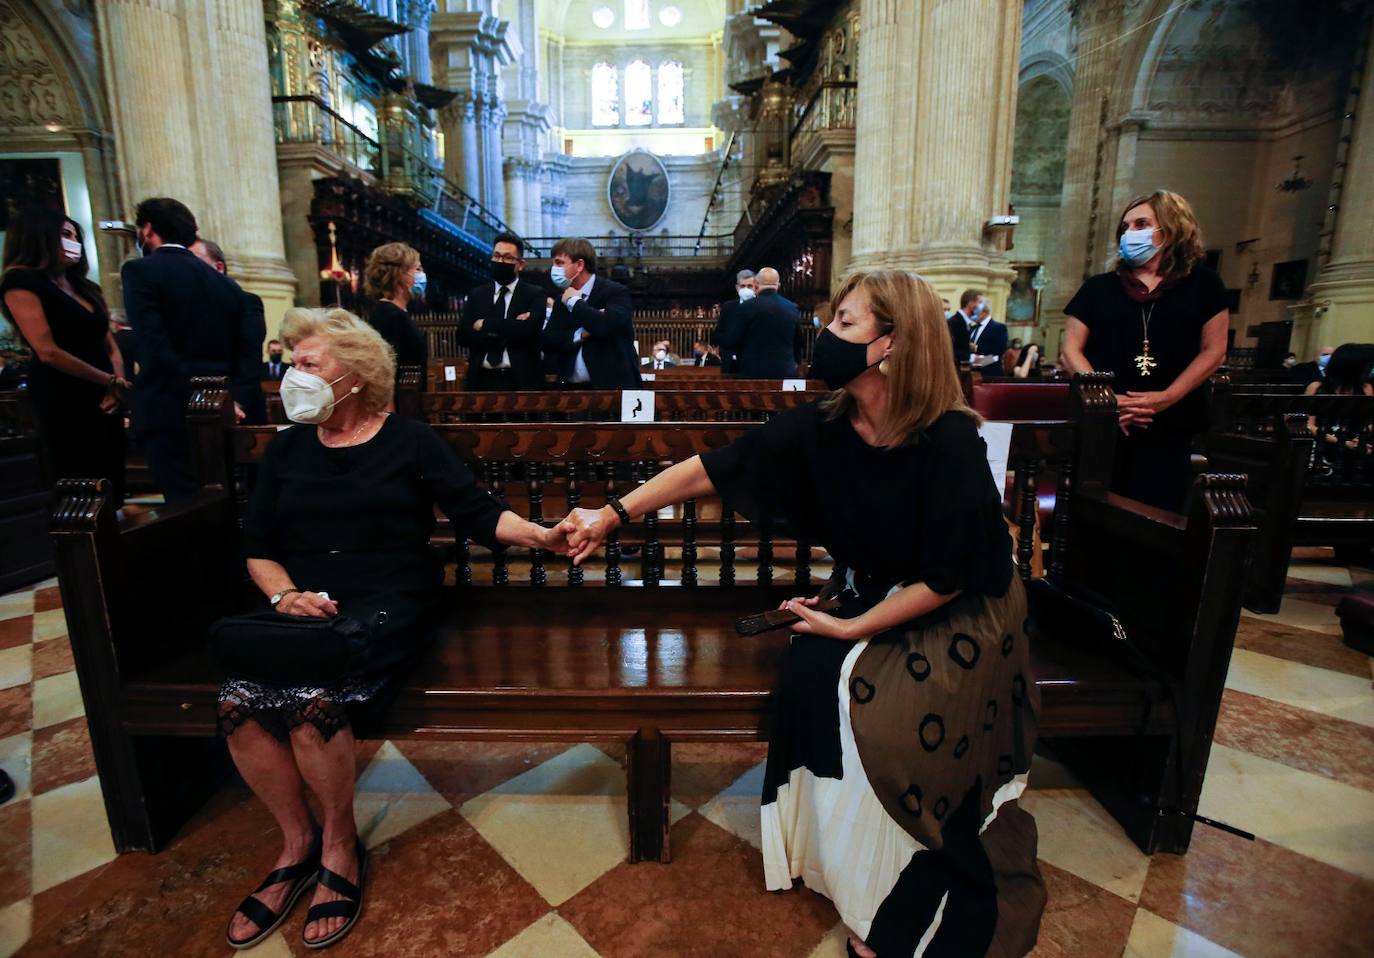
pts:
[249, 221]
[170, 136]
[490, 121]
[461, 160]
[1085, 199]
[936, 110]
[1343, 292]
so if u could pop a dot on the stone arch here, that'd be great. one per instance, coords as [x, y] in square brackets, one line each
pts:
[1041, 139]
[1048, 63]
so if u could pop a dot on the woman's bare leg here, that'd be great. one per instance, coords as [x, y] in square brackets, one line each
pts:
[329, 769]
[269, 768]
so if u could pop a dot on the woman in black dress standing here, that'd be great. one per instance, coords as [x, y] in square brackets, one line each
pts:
[393, 276]
[1158, 321]
[907, 719]
[76, 378]
[340, 522]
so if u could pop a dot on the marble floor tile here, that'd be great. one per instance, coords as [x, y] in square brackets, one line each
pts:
[832, 945]
[49, 625]
[1153, 937]
[16, 603]
[391, 797]
[1328, 573]
[702, 770]
[437, 890]
[52, 657]
[16, 758]
[16, 710]
[46, 598]
[65, 843]
[62, 755]
[56, 699]
[562, 824]
[548, 936]
[16, 851]
[16, 666]
[16, 631]
[1297, 738]
[1077, 835]
[1302, 614]
[1302, 686]
[1321, 649]
[15, 921]
[736, 808]
[463, 770]
[709, 901]
[1261, 900]
[1081, 920]
[1314, 816]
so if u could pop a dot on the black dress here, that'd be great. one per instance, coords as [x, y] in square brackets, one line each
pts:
[396, 328]
[79, 441]
[1152, 463]
[356, 522]
[895, 763]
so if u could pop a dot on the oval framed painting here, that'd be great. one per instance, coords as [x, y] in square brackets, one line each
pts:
[638, 190]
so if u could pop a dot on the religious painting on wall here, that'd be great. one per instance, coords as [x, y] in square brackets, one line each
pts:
[1288, 280]
[1023, 303]
[638, 190]
[25, 182]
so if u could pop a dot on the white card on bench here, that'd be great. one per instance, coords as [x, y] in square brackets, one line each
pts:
[648, 377]
[636, 405]
[450, 374]
[794, 385]
[997, 435]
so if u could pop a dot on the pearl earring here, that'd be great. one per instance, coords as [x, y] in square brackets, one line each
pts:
[882, 366]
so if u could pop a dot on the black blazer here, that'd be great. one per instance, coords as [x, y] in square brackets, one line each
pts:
[608, 315]
[993, 342]
[519, 337]
[247, 391]
[726, 326]
[266, 372]
[764, 335]
[190, 321]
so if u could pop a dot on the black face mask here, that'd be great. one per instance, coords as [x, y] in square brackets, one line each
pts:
[503, 273]
[276, 357]
[838, 361]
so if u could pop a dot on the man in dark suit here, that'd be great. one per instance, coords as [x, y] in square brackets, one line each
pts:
[974, 333]
[190, 321]
[703, 356]
[592, 328]
[276, 366]
[247, 390]
[502, 323]
[764, 332]
[744, 292]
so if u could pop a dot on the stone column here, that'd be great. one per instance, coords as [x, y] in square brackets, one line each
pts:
[458, 120]
[1341, 300]
[250, 222]
[416, 14]
[936, 110]
[489, 128]
[1086, 198]
[171, 136]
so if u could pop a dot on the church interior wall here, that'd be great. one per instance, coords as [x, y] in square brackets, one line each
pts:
[690, 181]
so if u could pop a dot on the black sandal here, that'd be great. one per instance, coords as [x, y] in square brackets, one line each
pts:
[350, 907]
[303, 874]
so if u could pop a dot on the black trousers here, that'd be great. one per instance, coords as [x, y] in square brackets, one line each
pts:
[499, 380]
[169, 460]
[1153, 466]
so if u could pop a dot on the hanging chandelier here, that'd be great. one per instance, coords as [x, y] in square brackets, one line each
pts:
[1296, 182]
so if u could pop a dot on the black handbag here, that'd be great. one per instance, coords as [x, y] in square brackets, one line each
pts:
[291, 650]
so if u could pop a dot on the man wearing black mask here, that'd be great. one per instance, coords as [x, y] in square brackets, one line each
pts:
[502, 322]
[276, 366]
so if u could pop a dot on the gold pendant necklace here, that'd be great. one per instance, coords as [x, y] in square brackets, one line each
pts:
[1145, 362]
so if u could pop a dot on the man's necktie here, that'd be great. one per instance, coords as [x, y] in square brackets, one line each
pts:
[494, 353]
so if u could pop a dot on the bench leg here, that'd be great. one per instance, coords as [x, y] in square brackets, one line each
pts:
[649, 772]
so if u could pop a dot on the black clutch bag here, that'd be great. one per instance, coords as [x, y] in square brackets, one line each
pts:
[291, 650]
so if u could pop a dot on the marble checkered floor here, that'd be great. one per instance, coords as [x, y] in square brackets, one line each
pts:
[517, 851]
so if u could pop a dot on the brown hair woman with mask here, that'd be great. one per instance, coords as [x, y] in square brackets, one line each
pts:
[906, 718]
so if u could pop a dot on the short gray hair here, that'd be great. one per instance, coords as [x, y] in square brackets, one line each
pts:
[743, 276]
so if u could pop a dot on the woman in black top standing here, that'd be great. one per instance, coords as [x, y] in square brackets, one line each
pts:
[393, 277]
[76, 378]
[1158, 321]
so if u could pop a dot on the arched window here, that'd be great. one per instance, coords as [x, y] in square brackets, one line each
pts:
[670, 92]
[639, 94]
[636, 14]
[605, 96]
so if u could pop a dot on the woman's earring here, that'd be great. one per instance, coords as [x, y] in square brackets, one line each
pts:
[882, 366]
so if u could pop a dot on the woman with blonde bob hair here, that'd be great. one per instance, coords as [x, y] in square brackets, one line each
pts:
[906, 717]
[339, 525]
[1158, 321]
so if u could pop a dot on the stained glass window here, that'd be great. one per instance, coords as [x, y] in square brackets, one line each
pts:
[639, 94]
[605, 96]
[636, 14]
[670, 92]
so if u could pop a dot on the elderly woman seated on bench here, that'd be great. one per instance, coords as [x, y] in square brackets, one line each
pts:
[340, 522]
[906, 717]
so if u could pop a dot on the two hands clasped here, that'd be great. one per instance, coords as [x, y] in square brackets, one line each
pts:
[1138, 409]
